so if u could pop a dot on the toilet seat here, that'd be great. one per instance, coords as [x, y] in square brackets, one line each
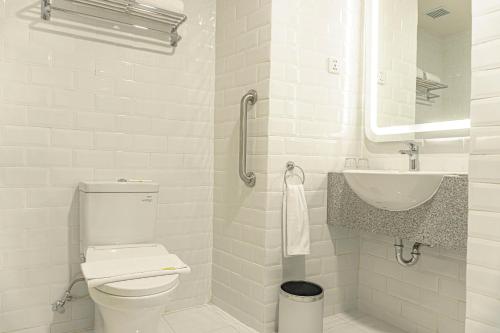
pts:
[136, 287]
[141, 287]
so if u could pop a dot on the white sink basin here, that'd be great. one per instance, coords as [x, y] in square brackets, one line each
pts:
[394, 190]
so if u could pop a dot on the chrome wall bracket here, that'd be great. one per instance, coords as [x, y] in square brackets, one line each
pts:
[45, 10]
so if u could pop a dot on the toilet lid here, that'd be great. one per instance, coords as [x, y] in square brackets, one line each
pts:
[136, 287]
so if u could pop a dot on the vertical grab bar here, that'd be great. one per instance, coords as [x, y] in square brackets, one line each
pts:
[249, 98]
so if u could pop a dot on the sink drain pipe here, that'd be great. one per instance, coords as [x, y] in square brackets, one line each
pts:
[415, 253]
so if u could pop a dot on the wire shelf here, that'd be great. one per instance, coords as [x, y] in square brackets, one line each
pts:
[430, 85]
[425, 87]
[126, 12]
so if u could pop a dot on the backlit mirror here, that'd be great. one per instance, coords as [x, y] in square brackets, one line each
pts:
[417, 69]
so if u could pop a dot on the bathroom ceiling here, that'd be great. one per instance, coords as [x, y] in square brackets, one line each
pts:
[458, 20]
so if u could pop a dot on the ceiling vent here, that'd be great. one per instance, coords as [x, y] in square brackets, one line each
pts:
[437, 12]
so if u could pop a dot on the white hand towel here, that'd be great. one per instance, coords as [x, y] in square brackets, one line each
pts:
[171, 5]
[296, 240]
[107, 271]
[432, 77]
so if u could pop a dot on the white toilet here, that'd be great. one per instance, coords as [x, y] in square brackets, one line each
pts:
[117, 222]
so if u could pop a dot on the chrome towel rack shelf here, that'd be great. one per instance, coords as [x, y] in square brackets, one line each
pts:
[126, 12]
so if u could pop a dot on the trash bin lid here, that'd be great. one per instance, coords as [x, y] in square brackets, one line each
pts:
[302, 291]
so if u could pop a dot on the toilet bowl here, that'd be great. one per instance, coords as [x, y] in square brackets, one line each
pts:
[131, 306]
[129, 314]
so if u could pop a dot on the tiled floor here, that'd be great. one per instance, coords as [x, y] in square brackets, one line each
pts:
[203, 319]
[211, 319]
[356, 322]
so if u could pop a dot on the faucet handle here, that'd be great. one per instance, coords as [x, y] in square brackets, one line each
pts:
[413, 147]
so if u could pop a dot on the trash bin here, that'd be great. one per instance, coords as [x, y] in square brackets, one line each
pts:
[300, 307]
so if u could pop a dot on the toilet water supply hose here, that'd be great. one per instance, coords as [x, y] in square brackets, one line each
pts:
[58, 306]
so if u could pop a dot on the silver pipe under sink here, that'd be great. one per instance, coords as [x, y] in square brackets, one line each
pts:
[398, 251]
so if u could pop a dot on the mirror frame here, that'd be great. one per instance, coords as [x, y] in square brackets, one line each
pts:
[371, 68]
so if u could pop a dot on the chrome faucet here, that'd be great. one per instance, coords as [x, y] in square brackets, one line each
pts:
[412, 153]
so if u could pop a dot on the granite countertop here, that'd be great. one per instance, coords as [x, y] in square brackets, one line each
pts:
[441, 221]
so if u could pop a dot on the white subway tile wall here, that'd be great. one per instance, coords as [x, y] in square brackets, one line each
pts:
[315, 121]
[80, 104]
[483, 266]
[304, 114]
[429, 297]
[447, 57]
[398, 59]
[243, 235]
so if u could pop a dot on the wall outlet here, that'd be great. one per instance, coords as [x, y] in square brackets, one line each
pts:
[333, 65]
[381, 78]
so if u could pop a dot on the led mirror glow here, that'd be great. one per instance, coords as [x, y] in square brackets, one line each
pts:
[374, 131]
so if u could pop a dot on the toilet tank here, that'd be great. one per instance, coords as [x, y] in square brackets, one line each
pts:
[117, 212]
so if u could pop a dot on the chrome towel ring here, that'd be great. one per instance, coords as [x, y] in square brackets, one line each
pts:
[290, 166]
